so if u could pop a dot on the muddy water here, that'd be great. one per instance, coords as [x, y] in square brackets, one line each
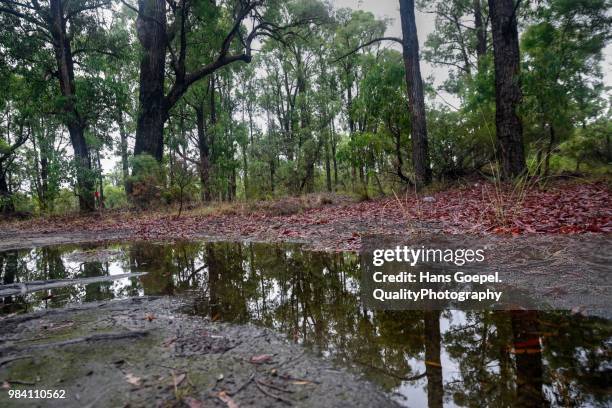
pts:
[433, 359]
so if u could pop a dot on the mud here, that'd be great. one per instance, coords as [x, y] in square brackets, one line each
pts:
[146, 352]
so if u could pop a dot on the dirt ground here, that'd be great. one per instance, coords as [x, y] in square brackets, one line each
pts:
[147, 352]
[334, 223]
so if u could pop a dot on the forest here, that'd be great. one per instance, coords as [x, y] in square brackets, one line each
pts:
[110, 104]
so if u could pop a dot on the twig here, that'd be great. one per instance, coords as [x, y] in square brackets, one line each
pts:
[243, 386]
[274, 387]
[275, 396]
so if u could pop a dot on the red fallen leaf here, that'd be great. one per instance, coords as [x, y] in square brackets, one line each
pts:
[261, 358]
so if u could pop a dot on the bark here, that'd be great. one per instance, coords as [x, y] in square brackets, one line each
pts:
[72, 118]
[333, 151]
[153, 112]
[272, 174]
[507, 86]
[398, 155]
[328, 167]
[245, 168]
[549, 149]
[416, 99]
[204, 150]
[481, 31]
[6, 201]
[125, 167]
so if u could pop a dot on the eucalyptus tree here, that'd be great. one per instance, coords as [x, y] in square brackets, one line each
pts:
[167, 32]
[563, 79]
[416, 98]
[508, 92]
[414, 83]
[72, 30]
[355, 31]
[14, 132]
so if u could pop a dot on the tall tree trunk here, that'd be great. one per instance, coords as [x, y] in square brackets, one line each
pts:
[152, 112]
[101, 180]
[272, 173]
[549, 148]
[125, 167]
[6, 200]
[416, 99]
[507, 86]
[481, 31]
[328, 179]
[245, 169]
[204, 154]
[72, 118]
[333, 151]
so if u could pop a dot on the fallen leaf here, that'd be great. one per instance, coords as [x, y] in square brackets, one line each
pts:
[227, 399]
[260, 359]
[150, 317]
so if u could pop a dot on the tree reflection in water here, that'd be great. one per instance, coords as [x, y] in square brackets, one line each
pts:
[486, 358]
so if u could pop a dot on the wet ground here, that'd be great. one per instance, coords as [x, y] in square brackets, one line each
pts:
[311, 299]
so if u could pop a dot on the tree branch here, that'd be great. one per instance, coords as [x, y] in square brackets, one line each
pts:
[375, 40]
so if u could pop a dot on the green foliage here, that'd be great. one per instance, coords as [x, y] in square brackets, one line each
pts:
[146, 182]
[115, 197]
[313, 111]
[66, 202]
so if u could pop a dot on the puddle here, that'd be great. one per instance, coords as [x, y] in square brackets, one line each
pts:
[434, 359]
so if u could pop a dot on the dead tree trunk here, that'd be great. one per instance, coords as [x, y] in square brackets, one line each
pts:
[507, 86]
[416, 99]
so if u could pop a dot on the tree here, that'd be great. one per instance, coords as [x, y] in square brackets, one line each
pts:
[162, 39]
[507, 86]
[60, 25]
[416, 99]
[562, 87]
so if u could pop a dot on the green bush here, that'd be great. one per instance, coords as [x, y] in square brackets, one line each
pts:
[115, 197]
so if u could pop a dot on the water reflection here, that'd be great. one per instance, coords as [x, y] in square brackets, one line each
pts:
[433, 359]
